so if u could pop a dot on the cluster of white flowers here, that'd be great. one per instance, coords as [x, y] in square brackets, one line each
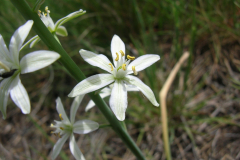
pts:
[116, 83]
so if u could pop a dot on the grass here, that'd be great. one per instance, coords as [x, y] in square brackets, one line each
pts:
[203, 102]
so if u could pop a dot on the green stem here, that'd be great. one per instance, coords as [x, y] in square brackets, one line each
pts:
[73, 69]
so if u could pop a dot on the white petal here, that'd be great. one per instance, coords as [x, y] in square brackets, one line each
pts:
[69, 17]
[116, 45]
[31, 42]
[5, 87]
[131, 88]
[118, 100]
[91, 104]
[4, 53]
[97, 60]
[17, 40]
[74, 107]
[61, 110]
[143, 62]
[34, 42]
[62, 31]
[58, 146]
[74, 149]
[19, 95]
[85, 126]
[91, 84]
[143, 88]
[37, 60]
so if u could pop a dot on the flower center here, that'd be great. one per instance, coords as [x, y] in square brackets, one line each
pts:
[122, 64]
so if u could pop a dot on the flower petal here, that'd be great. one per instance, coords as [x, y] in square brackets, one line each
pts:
[61, 110]
[74, 149]
[116, 45]
[19, 95]
[74, 107]
[4, 53]
[34, 42]
[85, 126]
[131, 88]
[37, 60]
[118, 100]
[62, 31]
[91, 104]
[143, 88]
[5, 87]
[143, 62]
[97, 60]
[31, 42]
[58, 146]
[69, 17]
[17, 40]
[91, 84]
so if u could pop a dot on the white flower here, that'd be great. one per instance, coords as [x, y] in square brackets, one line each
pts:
[10, 68]
[105, 92]
[119, 74]
[54, 28]
[65, 128]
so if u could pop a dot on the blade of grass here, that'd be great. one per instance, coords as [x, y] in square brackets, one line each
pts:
[163, 98]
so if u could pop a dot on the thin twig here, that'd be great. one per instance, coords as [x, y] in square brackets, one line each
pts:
[163, 96]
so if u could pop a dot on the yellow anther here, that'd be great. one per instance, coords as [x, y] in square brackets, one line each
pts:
[134, 70]
[59, 135]
[122, 53]
[111, 66]
[51, 125]
[46, 9]
[51, 132]
[45, 14]
[130, 57]
[60, 116]
[61, 128]
[117, 58]
[124, 67]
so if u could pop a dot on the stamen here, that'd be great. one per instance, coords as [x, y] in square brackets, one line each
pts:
[117, 58]
[6, 68]
[59, 135]
[61, 128]
[52, 132]
[60, 115]
[134, 70]
[130, 57]
[51, 125]
[111, 66]
[46, 9]
[124, 67]
[122, 53]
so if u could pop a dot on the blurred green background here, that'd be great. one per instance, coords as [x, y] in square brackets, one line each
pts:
[203, 102]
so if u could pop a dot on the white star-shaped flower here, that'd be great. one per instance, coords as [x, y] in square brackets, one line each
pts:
[105, 92]
[65, 128]
[119, 74]
[56, 28]
[11, 68]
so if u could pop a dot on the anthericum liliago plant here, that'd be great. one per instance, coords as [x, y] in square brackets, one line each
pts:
[119, 73]
[11, 68]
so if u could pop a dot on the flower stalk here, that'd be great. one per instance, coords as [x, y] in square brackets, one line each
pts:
[73, 69]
